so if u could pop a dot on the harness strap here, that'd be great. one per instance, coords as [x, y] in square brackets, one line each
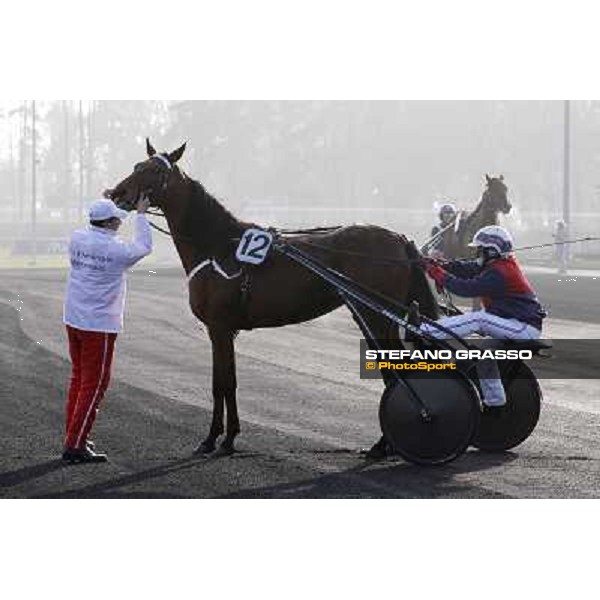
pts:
[221, 272]
[215, 265]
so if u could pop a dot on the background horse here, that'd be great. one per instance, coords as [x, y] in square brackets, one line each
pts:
[494, 201]
[228, 297]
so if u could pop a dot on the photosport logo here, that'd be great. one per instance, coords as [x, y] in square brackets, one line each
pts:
[551, 359]
[407, 360]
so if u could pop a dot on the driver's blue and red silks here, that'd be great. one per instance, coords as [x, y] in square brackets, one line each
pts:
[91, 358]
[512, 310]
[502, 286]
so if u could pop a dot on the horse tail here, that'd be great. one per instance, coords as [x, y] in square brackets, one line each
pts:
[419, 288]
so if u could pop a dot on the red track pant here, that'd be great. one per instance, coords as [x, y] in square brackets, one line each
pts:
[91, 358]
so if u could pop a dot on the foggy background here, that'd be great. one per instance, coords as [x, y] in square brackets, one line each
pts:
[298, 163]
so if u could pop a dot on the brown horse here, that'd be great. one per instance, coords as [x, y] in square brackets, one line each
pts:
[494, 201]
[228, 297]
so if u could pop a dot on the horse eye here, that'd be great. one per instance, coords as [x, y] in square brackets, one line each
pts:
[138, 167]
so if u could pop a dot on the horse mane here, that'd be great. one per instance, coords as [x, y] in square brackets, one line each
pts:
[208, 223]
[419, 289]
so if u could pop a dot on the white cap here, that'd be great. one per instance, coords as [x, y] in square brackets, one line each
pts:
[103, 209]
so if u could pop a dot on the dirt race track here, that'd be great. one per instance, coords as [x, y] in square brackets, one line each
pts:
[305, 412]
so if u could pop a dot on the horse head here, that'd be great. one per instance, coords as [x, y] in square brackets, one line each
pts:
[149, 178]
[496, 195]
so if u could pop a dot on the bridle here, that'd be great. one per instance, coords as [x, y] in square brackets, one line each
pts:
[164, 174]
[163, 182]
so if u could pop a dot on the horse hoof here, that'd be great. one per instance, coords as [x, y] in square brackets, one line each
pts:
[224, 450]
[204, 449]
[378, 451]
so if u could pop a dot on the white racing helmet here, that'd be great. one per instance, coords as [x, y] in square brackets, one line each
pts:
[493, 236]
[447, 209]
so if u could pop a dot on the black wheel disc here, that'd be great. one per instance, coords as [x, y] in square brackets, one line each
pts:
[444, 433]
[514, 424]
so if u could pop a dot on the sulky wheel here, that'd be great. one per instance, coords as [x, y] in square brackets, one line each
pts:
[508, 428]
[444, 432]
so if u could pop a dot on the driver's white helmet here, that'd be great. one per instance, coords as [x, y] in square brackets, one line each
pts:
[447, 209]
[494, 236]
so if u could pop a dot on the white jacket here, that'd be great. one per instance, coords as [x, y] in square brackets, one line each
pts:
[95, 297]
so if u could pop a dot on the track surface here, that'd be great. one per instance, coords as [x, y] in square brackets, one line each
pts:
[304, 411]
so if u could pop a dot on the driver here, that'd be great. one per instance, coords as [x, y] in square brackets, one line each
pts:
[447, 215]
[511, 309]
[93, 314]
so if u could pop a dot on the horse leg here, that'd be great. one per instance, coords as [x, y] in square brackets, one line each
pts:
[386, 334]
[218, 376]
[226, 385]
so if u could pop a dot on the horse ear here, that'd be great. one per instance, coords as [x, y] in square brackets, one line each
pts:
[487, 178]
[501, 178]
[150, 148]
[177, 154]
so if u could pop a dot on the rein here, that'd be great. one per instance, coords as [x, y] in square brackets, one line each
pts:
[588, 238]
[439, 234]
[381, 259]
[369, 256]
[183, 238]
[309, 230]
[398, 260]
[154, 226]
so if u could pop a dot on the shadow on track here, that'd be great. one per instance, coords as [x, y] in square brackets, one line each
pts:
[110, 488]
[390, 479]
[19, 476]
